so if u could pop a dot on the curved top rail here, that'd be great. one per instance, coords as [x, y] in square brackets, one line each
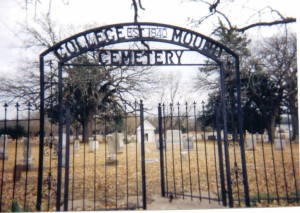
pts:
[142, 31]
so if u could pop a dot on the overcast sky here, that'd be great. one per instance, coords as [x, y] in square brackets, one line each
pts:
[104, 12]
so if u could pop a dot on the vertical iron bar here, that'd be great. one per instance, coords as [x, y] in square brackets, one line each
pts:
[161, 153]
[292, 157]
[264, 161]
[165, 140]
[42, 133]
[173, 161]
[240, 124]
[95, 155]
[105, 166]
[27, 155]
[126, 140]
[51, 135]
[205, 151]
[143, 155]
[215, 159]
[222, 178]
[254, 162]
[282, 159]
[197, 154]
[189, 152]
[227, 156]
[233, 142]
[116, 142]
[180, 149]
[16, 151]
[274, 170]
[67, 158]
[4, 151]
[73, 173]
[84, 156]
[136, 155]
[60, 133]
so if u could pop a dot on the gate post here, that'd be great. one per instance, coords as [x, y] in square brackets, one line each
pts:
[240, 123]
[161, 152]
[227, 156]
[42, 133]
[222, 179]
[143, 156]
[60, 133]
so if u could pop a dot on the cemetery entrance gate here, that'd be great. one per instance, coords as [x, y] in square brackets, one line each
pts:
[76, 93]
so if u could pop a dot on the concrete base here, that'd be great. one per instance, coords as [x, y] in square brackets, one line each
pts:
[162, 203]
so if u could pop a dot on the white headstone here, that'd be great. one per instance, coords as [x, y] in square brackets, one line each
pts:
[76, 144]
[280, 144]
[183, 155]
[188, 144]
[250, 143]
[27, 158]
[93, 144]
[111, 149]
[132, 139]
[120, 142]
[3, 141]
[174, 136]
[265, 138]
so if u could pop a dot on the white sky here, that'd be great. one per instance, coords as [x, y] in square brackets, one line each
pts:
[104, 12]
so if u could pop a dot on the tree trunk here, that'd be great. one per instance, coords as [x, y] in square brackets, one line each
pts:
[294, 121]
[271, 126]
[87, 128]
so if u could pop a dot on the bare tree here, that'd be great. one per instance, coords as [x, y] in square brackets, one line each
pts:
[216, 10]
[277, 57]
[98, 86]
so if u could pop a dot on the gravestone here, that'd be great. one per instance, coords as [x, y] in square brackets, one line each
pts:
[132, 139]
[3, 141]
[250, 144]
[111, 150]
[63, 140]
[280, 144]
[183, 155]
[188, 144]
[76, 144]
[93, 144]
[174, 136]
[99, 138]
[120, 142]
[27, 158]
[265, 138]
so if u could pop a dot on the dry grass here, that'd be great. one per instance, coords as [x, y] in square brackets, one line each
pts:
[91, 179]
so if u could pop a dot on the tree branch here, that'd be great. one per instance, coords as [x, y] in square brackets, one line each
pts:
[261, 24]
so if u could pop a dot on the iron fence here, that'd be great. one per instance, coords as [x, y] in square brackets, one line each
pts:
[195, 166]
[106, 173]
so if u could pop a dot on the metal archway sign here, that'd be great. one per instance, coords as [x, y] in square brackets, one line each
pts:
[96, 40]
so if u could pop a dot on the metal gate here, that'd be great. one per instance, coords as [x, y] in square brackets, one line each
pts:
[193, 159]
[107, 173]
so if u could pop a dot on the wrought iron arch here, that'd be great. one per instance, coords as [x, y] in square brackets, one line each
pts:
[97, 38]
